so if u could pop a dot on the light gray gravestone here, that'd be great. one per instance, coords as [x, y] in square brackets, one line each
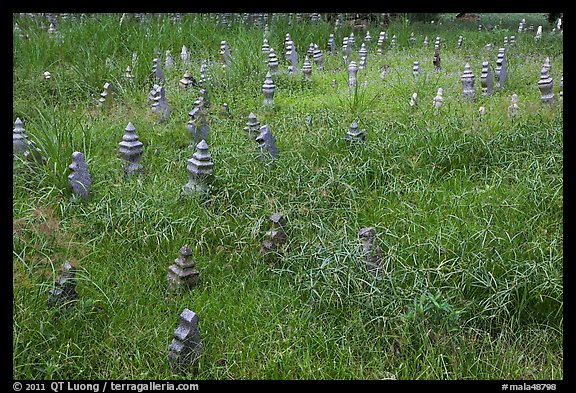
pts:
[265, 48]
[182, 273]
[436, 60]
[186, 347]
[310, 51]
[538, 33]
[486, 79]
[521, 26]
[268, 91]
[351, 40]
[547, 64]
[439, 99]
[186, 80]
[128, 74]
[354, 134]
[19, 138]
[505, 41]
[79, 180]
[513, 108]
[482, 111]
[371, 253]
[157, 72]
[160, 105]
[380, 42]
[106, 99]
[500, 70]
[131, 151]
[363, 52]
[367, 37]
[467, 79]
[546, 86]
[52, 30]
[352, 73]
[414, 100]
[307, 69]
[169, 61]
[204, 77]
[425, 44]
[292, 57]
[318, 57]
[225, 53]
[512, 40]
[437, 43]
[266, 144]
[416, 70]
[275, 237]
[331, 47]
[272, 62]
[198, 124]
[459, 44]
[346, 50]
[185, 56]
[393, 42]
[286, 39]
[252, 128]
[200, 171]
[64, 290]
[412, 39]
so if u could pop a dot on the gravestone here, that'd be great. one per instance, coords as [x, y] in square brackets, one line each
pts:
[157, 73]
[513, 108]
[292, 57]
[169, 61]
[268, 91]
[318, 57]
[160, 105]
[414, 100]
[310, 51]
[380, 42]
[64, 289]
[185, 56]
[437, 43]
[275, 237]
[482, 111]
[19, 138]
[467, 79]
[131, 151]
[346, 50]
[331, 47]
[372, 254]
[546, 86]
[354, 134]
[252, 128]
[198, 124]
[352, 73]
[547, 64]
[266, 144]
[393, 42]
[363, 52]
[438, 100]
[505, 41]
[225, 53]
[416, 70]
[47, 75]
[186, 347]
[200, 171]
[561, 94]
[500, 70]
[436, 60]
[486, 79]
[265, 48]
[307, 69]
[367, 37]
[106, 99]
[412, 39]
[538, 33]
[351, 41]
[425, 43]
[79, 180]
[182, 273]
[512, 40]
[204, 77]
[459, 44]
[128, 74]
[521, 26]
[186, 80]
[272, 62]
[52, 30]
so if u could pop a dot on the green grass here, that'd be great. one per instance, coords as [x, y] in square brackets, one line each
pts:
[468, 210]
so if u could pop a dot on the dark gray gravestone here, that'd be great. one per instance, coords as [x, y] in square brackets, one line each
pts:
[200, 171]
[486, 79]
[371, 253]
[131, 150]
[182, 273]
[355, 135]
[252, 128]
[19, 138]
[79, 180]
[64, 288]
[275, 237]
[186, 346]
[500, 70]
[266, 144]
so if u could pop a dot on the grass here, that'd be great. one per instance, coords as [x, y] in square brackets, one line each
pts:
[468, 210]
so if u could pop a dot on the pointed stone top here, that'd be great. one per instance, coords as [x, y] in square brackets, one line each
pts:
[252, 116]
[354, 125]
[352, 65]
[189, 317]
[18, 122]
[202, 145]
[77, 156]
[185, 251]
[367, 232]
[130, 127]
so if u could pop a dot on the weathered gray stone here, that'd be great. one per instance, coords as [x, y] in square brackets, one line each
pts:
[252, 128]
[500, 70]
[52, 30]
[393, 44]
[275, 238]
[513, 108]
[106, 99]
[425, 43]
[225, 53]
[186, 80]
[414, 100]
[367, 37]
[307, 69]
[346, 50]
[272, 62]
[198, 124]
[205, 78]
[352, 74]
[19, 138]
[79, 180]
[266, 144]
[64, 290]
[318, 57]
[439, 99]
[185, 56]
[416, 70]
[354, 134]
[371, 253]
[268, 91]
[131, 151]
[459, 44]
[547, 64]
[436, 60]
[467, 79]
[186, 347]
[200, 171]
[266, 48]
[157, 73]
[486, 79]
[169, 61]
[292, 57]
[538, 33]
[182, 274]
[128, 74]
[546, 86]
[331, 47]
[160, 105]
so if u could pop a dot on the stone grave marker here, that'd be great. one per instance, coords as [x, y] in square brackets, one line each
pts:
[272, 62]
[500, 70]
[64, 290]
[182, 273]
[186, 347]
[546, 86]
[438, 100]
[352, 74]
[307, 69]
[252, 128]
[354, 134]
[371, 253]
[318, 57]
[513, 108]
[486, 79]
[200, 171]
[131, 151]
[266, 144]
[275, 237]
[106, 99]
[467, 79]
[79, 180]
[169, 61]
[268, 91]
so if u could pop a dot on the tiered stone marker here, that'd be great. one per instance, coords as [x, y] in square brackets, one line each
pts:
[352, 74]
[346, 51]
[546, 86]
[307, 69]
[436, 60]
[425, 43]
[198, 123]
[439, 99]
[131, 151]
[331, 47]
[182, 274]
[412, 39]
[292, 57]
[275, 237]
[318, 57]
[200, 171]
[169, 61]
[486, 79]
[354, 134]
[265, 48]
[186, 347]
[106, 99]
[160, 105]
[459, 44]
[467, 79]
[380, 42]
[513, 108]
[272, 62]
[19, 138]
[157, 73]
[414, 100]
[128, 74]
[64, 290]
[416, 70]
[266, 144]
[185, 56]
[268, 91]
[500, 70]
[225, 53]
[79, 180]
[252, 128]
[186, 81]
